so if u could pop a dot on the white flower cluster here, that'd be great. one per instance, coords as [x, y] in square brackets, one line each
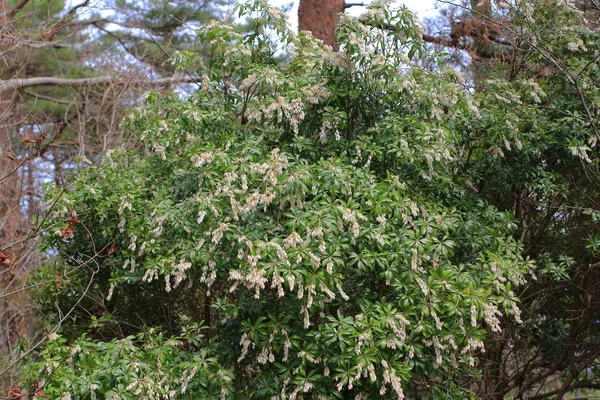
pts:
[125, 204]
[209, 275]
[536, 91]
[490, 315]
[390, 378]
[233, 57]
[515, 131]
[202, 159]
[473, 315]
[315, 93]
[178, 274]
[576, 45]
[282, 110]
[254, 280]
[350, 216]
[472, 346]
[447, 345]
[581, 152]
[161, 151]
[245, 342]
[357, 36]
[292, 240]
[341, 291]
[516, 312]
[368, 372]
[328, 126]
[399, 329]
[186, 377]
[337, 59]
[266, 354]
[158, 222]
[131, 263]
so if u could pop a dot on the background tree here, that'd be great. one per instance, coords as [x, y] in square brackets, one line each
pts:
[67, 77]
[320, 18]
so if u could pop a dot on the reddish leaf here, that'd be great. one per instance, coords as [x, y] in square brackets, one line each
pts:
[112, 249]
[74, 220]
[4, 260]
[38, 391]
[67, 232]
[41, 138]
[16, 393]
[27, 139]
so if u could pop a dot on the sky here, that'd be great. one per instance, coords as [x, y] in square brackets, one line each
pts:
[423, 8]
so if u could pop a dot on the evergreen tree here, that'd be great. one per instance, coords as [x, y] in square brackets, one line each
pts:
[295, 229]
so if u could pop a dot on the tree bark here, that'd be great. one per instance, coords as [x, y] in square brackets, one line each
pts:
[320, 17]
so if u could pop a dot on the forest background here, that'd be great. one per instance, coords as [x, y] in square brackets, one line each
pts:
[523, 141]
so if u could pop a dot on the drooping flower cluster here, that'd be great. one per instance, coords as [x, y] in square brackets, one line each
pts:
[317, 265]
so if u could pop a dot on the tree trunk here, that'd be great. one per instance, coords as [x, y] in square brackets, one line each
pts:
[320, 17]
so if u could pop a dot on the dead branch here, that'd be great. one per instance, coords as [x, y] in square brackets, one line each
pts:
[20, 83]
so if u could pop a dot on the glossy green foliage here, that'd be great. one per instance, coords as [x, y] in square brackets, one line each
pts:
[307, 213]
[534, 153]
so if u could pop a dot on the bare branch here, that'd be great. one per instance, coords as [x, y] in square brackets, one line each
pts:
[47, 98]
[70, 14]
[98, 21]
[18, 7]
[19, 83]
[503, 52]
[42, 45]
[348, 5]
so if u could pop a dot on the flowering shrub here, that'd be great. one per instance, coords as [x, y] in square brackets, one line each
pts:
[295, 229]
